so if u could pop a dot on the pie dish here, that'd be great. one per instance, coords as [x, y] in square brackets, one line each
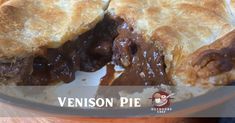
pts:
[170, 42]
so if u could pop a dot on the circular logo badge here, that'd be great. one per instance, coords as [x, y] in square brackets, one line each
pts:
[161, 99]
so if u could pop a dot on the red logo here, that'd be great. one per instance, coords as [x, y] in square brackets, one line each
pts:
[161, 99]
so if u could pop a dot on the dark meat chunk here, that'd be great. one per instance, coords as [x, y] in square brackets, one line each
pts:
[95, 46]
[40, 74]
[60, 68]
[13, 71]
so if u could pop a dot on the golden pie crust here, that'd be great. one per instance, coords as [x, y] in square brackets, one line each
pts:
[27, 26]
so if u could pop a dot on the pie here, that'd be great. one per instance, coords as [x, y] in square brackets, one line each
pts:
[172, 42]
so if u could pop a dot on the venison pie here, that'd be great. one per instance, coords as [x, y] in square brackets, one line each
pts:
[172, 42]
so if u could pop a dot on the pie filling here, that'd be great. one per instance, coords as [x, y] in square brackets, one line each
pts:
[111, 40]
[142, 61]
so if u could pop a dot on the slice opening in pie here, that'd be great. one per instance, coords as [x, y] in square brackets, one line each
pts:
[111, 40]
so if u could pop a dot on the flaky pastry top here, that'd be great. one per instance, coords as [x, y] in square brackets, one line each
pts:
[27, 26]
